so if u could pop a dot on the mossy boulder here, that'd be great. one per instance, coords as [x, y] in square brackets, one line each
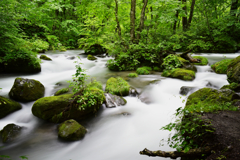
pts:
[185, 64]
[132, 75]
[10, 132]
[95, 49]
[91, 57]
[8, 106]
[233, 86]
[143, 70]
[204, 60]
[60, 108]
[44, 57]
[61, 91]
[21, 65]
[187, 75]
[233, 71]
[26, 90]
[71, 130]
[117, 86]
[208, 99]
[221, 66]
[95, 84]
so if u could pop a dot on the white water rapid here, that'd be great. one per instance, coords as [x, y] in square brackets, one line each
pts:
[111, 135]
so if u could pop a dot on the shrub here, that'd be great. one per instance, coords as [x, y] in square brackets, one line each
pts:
[143, 70]
[171, 62]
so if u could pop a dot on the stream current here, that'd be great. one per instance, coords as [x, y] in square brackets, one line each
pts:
[111, 135]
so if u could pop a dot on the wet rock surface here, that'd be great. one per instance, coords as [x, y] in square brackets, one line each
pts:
[184, 90]
[10, 132]
[114, 101]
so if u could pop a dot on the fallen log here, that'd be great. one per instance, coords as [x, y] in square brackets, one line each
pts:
[186, 56]
[175, 154]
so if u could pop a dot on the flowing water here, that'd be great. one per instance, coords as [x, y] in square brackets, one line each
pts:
[111, 135]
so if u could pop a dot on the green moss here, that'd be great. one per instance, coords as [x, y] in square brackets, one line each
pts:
[61, 91]
[182, 60]
[71, 130]
[91, 58]
[10, 132]
[132, 75]
[8, 106]
[44, 57]
[233, 71]
[62, 49]
[204, 61]
[210, 100]
[180, 73]
[157, 69]
[95, 84]
[143, 70]
[233, 86]
[113, 65]
[221, 66]
[117, 86]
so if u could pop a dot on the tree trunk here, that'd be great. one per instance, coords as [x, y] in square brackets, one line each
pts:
[132, 20]
[116, 15]
[184, 19]
[141, 25]
[234, 7]
[191, 13]
[186, 56]
[175, 154]
[175, 22]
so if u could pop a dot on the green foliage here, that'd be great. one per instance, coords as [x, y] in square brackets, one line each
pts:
[132, 75]
[204, 61]
[142, 71]
[157, 69]
[221, 66]
[117, 86]
[180, 73]
[95, 84]
[40, 45]
[61, 91]
[171, 62]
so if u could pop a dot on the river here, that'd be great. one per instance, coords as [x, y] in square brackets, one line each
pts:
[111, 135]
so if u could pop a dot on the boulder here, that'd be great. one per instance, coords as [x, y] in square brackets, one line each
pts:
[233, 86]
[187, 75]
[26, 90]
[221, 66]
[145, 97]
[117, 86]
[233, 71]
[95, 49]
[204, 60]
[71, 130]
[91, 58]
[44, 57]
[206, 97]
[21, 65]
[114, 101]
[8, 106]
[61, 91]
[10, 132]
[184, 90]
[185, 64]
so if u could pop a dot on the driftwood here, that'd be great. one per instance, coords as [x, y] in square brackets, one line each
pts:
[175, 154]
[186, 56]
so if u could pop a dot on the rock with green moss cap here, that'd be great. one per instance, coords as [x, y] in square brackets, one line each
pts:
[44, 57]
[10, 132]
[186, 64]
[62, 91]
[206, 99]
[187, 75]
[117, 86]
[91, 58]
[8, 106]
[204, 61]
[233, 71]
[113, 101]
[143, 70]
[221, 66]
[26, 90]
[60, 108]
[132, 75]
[233, 86]
[95, 84]
[71, 130]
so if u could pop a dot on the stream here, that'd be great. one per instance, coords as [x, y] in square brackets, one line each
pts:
[111, 135]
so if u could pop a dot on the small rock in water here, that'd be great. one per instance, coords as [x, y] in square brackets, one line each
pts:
[184, 90]
[133, 92]
[71, 58]
[10, 132]
[114, 101]
[145, 98]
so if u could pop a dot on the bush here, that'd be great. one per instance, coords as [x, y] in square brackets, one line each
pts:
[221, 66]
[143, 70]
[171, 62]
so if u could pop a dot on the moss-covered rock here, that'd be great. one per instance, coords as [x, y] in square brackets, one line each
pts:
[187, 75]
[8, 106]
[44, 57]
[71, 130]
[233, 86]
[91, 57]
[10, 132]
[233, 71]
[117, 86]
[95, 84]
[20, 65]
[186, 64]
[143, 70]
[61, 91]
[221, 66]
[204, 61]
[26, 90]
[208, 99]
[132, 75]
[60, 108]
[95, 50]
